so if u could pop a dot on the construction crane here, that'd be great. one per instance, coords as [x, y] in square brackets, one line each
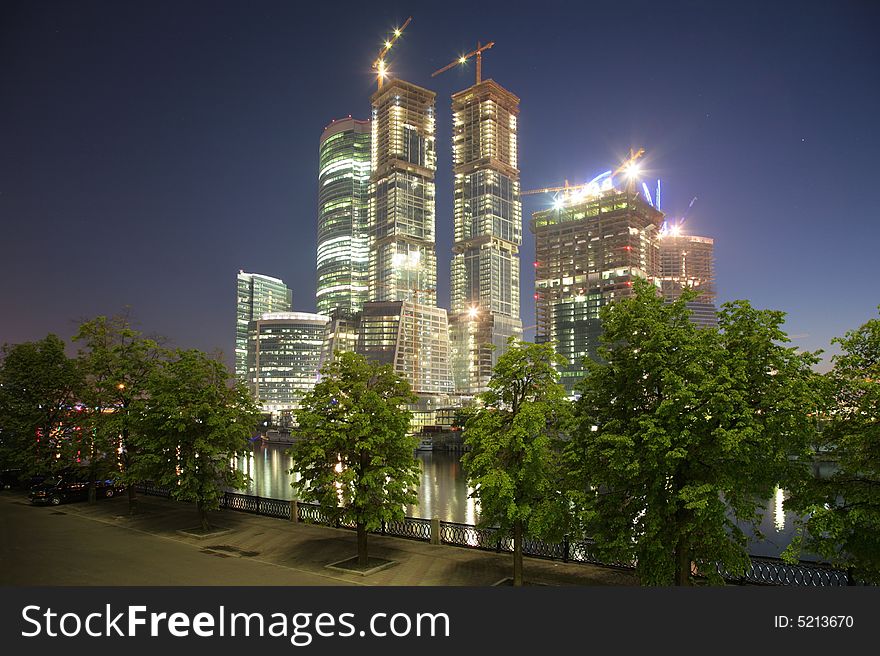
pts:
[629, 167]
[379, 64]
[461, 60]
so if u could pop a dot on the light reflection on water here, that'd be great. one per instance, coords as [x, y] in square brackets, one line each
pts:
[444, 493]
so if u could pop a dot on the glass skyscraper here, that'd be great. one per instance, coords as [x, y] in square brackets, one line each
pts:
[257, 294]
[488, 232]
[588, 250]
[343, 198]
[687, 262]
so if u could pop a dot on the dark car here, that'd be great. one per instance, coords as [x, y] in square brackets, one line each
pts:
[58, 489]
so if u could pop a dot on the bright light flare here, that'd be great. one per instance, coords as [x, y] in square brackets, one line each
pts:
[675, 230]
[633, 170]
[473, 311]
[462, 60]
[558, 203]
[397, 32]
[383, 71]
[388, 44]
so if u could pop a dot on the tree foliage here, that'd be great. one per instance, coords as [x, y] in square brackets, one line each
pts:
[843, 511]
[117, 362]
[193, 422]
[512, 463]
[39, 388]
[355, 456]
[684, 431]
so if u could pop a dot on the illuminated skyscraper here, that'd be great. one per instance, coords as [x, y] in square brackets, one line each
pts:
[343, 197]
[257, 294]
[589, 249]
[403, 261]
[687, 261]
[402, 325]
[488, 232]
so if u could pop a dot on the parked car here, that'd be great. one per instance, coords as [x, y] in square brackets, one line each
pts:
[59, 489]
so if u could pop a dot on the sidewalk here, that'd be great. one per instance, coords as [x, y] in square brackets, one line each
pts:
[308, 549]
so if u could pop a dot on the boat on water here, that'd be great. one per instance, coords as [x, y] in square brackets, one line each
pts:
[426, 443]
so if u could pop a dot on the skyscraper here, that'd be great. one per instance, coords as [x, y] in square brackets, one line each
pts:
[257, 294]
[403, 260]
[343, 198]
[589, 249]
[687, 262]
[488, 232]
[402, 314]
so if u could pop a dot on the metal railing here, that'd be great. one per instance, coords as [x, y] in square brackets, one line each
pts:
[763, 570]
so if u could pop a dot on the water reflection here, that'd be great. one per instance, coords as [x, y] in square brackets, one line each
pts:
[444, 493]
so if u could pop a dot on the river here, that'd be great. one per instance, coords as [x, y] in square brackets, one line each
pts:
[444, 493]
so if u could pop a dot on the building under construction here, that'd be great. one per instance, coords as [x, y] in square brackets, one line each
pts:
[687, 262]
[589, 249]
[402, 325]
[488, 232]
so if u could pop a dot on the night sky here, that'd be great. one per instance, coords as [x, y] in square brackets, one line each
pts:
[150, 150]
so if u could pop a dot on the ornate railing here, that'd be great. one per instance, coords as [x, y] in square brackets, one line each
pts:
[763, 571]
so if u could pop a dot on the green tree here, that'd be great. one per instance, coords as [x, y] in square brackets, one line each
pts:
[117, 361]
[193, 422]
[512, 463]
[356, 457]
[843, 511]
[39, 388]
[683, 433]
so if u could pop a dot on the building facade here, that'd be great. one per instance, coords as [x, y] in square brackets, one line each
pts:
[402, 325]
[257, 295]
[487, 232]
[283, 358]
[343, 199]
[589, 249]
[403, 259]
[688, 262]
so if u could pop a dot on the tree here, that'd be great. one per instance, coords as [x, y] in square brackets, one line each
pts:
[684, 431]
[192, 424]
[39, 388]
[356, 457]
[117, 361]
[512, 463]
[842, 512]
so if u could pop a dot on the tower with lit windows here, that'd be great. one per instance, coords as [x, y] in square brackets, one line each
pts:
[687, 262]
[402, 325]
[487, 232]
[343, 199]
[257, 294]
[589, 247]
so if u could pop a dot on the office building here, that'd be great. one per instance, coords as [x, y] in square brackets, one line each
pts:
[487, 232]
[284, 353]
[343, 198]
[257, 295]
[687, 262]
[589, 248]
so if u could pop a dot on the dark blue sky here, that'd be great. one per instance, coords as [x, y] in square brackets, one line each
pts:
[150, 150]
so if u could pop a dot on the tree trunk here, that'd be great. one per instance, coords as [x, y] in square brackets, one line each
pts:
[362, 544]
[203, 516]
[132, 499]
[517, 553]
[682, 564]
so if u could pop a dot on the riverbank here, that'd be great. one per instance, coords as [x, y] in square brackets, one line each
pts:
[161, 546]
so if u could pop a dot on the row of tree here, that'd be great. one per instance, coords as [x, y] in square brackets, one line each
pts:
[677, 438]
[124, 407]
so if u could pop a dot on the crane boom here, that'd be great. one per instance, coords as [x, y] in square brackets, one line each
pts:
[461, 60]
[379, 63]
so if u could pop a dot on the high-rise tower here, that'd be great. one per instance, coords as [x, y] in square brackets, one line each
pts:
[488, 232]
[403, 260]
[402, 324]
[687, 262]
[343, 198]
[257, 294]
[588, 250]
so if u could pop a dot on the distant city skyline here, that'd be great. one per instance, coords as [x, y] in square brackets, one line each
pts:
[152, 151]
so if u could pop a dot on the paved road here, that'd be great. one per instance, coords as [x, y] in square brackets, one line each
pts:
[45, 545]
